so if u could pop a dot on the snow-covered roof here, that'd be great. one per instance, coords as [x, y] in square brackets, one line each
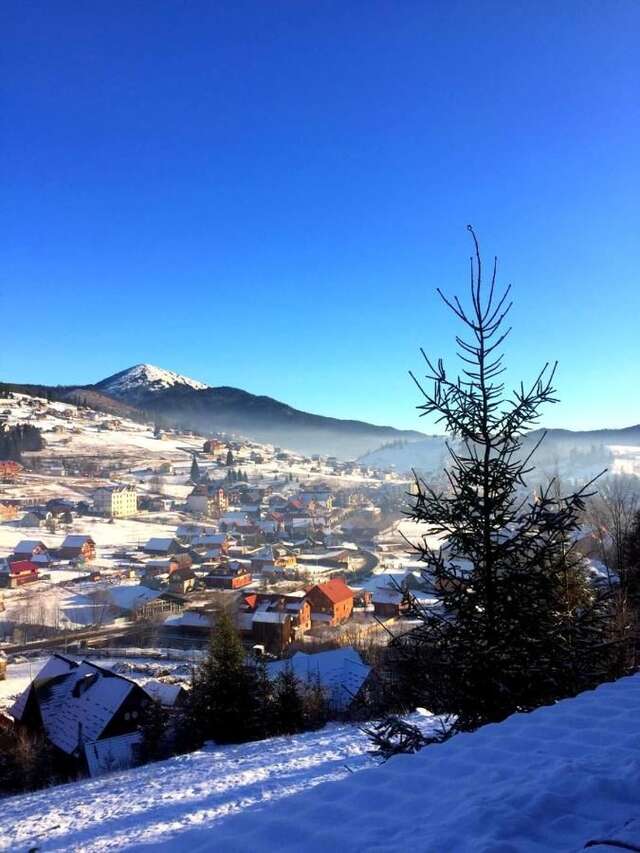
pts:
[131, 597]
[166, 694]
[271, 616]
[25, 546]
[160, 544]
[76, 700]
[340, 671]
[189, 619]
[75, 540]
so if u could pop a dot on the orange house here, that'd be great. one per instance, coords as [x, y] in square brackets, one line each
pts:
[331, 602]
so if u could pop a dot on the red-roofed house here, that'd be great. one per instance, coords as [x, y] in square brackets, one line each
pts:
[331, 602]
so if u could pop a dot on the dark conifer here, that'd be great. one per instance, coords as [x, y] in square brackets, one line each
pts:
[288, 704]
[519, 625]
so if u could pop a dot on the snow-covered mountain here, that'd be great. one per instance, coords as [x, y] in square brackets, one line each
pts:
[194, 405]
[142, 381]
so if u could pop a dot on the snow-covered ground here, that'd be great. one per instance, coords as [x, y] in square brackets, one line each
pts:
[121, 533]
[537, 783]
[164, 802]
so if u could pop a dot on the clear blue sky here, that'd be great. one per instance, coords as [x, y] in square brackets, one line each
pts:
[266, 194]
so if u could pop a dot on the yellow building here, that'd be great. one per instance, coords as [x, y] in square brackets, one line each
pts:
[116, 501]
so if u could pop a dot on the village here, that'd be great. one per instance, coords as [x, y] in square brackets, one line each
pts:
[121, 542]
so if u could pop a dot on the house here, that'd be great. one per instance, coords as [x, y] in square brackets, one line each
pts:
[86, 712]
[207, 500]
[192, 625]
[162, 547]
[232, 575]
[116, 501]
[331, 602]
[274, 620]
[389, 602]
[182, 580]
[212, 446]
[30, 549]
[35, 517]
[340, 672]
[17, 573]
[77, 547]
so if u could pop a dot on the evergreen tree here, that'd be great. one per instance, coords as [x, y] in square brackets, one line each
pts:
[519, 624]
[153, 726]
[288, 704]
[230, 459]
[221, 706]
[195, 470]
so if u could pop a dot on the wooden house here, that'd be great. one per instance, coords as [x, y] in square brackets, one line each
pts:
[86, 712]
[77, 547]
[331, 602]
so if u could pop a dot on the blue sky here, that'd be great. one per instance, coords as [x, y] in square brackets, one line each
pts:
[266, 194]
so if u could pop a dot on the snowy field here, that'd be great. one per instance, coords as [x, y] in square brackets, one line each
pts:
[121, 533]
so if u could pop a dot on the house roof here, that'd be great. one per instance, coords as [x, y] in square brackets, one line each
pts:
[20, 566]
[76, 541]
[76, 700]
[166, 694]
[26, 546]
[159, 544]
[340, 671]
[335, 590]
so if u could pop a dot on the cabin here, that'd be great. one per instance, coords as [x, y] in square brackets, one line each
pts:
[88, 713]
[331, 602]
[77, 547]
[389, 602]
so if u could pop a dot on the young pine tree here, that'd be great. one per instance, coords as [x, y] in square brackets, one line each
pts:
[195, 470]
[519, 625]
[221, 701]
[289, 709]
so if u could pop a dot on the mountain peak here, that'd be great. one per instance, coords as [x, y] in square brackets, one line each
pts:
[146, 379]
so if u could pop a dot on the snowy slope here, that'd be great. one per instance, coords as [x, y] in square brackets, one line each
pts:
[547, 781]
[164, 802]
[143, 380]
[536, 783]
